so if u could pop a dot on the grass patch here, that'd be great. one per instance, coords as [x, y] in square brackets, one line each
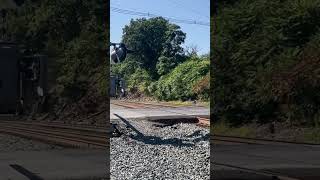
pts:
[312, 135]
[186, 103]
[294, 134]
[225, 129]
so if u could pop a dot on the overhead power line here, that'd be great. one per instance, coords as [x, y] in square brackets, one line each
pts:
[146, 14]
[181, 5]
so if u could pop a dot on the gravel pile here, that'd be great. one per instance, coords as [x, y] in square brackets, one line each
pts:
[10, 143]
[180, 151]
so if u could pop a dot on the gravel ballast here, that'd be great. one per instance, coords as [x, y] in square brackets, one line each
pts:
[9, 143]
[180, 151]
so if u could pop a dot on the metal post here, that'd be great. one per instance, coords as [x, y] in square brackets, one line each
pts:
[3, 16]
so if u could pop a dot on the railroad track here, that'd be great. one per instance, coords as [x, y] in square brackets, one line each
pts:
[257, 141]
[135, 105]
[129, 105]
[203, 121]
[63, 135]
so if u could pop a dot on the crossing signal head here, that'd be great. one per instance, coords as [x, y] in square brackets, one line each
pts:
[119, 52]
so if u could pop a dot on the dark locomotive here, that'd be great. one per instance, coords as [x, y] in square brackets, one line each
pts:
[23, 80]
[23, 73]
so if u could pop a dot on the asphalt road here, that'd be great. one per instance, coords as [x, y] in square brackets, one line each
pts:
[298, 161]
[158, 113]
[54, 164]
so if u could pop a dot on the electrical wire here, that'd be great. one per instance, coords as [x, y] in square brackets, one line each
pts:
[147, 14]
[177, 4]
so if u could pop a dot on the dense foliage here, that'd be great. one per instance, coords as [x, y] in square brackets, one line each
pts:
[160, 67]
[184, 81]
[72, 33]
[266, 61]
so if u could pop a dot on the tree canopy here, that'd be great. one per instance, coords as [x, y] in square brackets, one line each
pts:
[157, 44]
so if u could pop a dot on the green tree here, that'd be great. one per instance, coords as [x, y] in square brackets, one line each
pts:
[157, 44]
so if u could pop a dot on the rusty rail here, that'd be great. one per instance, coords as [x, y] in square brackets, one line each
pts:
[60, 135]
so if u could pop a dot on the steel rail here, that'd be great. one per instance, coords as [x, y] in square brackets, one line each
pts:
[69, 137]
[260, 141]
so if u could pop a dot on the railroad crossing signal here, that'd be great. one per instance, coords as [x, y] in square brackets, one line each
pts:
[119, 52]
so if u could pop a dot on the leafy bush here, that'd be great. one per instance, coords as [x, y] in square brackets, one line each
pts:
[179, 83]
[139, 80]
[202, 88]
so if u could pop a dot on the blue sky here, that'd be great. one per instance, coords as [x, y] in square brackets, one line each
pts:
[199, 10]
